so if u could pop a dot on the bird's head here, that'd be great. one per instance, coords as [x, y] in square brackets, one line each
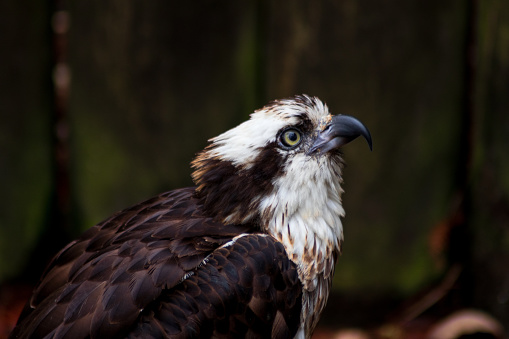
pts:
[287, 156]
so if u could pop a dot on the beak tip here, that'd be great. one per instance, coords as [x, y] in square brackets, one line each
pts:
[370, 143]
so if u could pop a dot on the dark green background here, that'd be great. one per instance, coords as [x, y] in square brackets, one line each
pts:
[152, 81]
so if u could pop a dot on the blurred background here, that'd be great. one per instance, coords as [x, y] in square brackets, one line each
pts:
[104, 104]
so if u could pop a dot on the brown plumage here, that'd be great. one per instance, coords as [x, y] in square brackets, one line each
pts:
[248, 252]
[119, 278]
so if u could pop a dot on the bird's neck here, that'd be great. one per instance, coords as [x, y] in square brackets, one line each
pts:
[312, 235]
[305, 216]
[231, 193]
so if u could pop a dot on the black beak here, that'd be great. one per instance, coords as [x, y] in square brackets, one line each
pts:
[339, 131]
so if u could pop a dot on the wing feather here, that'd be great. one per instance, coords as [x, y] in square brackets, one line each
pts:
[248, 288]
[98, 285]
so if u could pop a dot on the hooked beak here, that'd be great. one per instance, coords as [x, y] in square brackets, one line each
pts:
[339, 131]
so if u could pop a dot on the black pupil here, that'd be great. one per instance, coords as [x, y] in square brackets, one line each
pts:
[292, 136]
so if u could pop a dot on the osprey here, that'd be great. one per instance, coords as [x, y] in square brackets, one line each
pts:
[248, 252]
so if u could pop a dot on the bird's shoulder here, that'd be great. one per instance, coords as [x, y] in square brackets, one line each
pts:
[246, 288]
[103, 280]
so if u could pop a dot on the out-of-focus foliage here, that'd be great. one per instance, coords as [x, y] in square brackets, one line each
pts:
[25, 130]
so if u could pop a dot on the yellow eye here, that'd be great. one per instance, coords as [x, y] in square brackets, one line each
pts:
[290, 138]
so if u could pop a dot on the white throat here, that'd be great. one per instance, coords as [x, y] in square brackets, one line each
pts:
[304, 213]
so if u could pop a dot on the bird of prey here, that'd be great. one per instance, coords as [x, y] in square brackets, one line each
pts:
[248, 252]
